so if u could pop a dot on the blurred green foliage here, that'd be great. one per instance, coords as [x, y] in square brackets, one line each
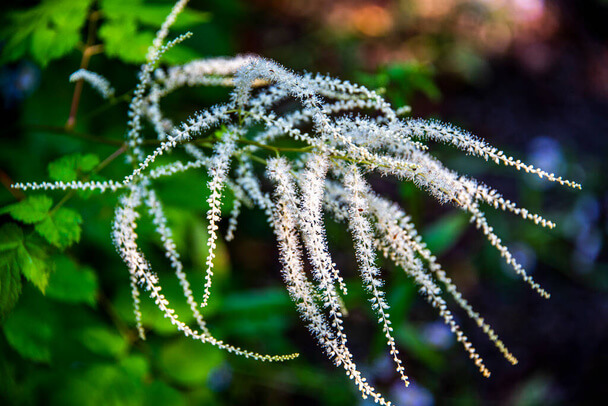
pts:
[401, 81]
[53, 28]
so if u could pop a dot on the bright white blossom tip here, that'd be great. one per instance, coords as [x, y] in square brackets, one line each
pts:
[97, 82]
[218, 171]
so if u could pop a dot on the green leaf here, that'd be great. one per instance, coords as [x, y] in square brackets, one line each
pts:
[30, 210]
[10, 283]
[445, 232]
[125, 21]
[401, 296]
[70, 167]
[412, 77]
[29, 329]
[411, 339]
[135, 366]
[189, 362]
[61, 228]
[159, 393]
[103, 341]
[151, 14]
[46, 32]
[11, 237]
[72, 284]
[20, 255]
[117, 33]
[103, 384]
[534, 391]
[34, 265]
[261, 301]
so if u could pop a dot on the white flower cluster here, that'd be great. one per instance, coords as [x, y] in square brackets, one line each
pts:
[340, 131]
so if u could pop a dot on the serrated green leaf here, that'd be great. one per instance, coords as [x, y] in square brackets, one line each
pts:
[47, 31]
[69, 167]
[20, 256]
[11, 236]
[30, 210]
[72, 284]
[10, 283]
[88, 162]
[127, 22]
[61, 228]
[151, 14]
[117, 33]
[33, 263]
[49, 43]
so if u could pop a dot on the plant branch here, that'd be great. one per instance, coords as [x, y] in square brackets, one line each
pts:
[111, 103]
[275, 148]
[7, 182]
[76, 134]
[88, 51]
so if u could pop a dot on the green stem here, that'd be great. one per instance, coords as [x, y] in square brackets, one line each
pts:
[99, 140]
[75, 134]
[112, 102]
[274, 148]
[259, 160]
[7, 182]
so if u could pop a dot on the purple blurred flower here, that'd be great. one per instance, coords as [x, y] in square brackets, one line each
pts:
[438, 335]
[546, 153]
[582, 225]
[220, 378]
[16, 83]
[413, 395]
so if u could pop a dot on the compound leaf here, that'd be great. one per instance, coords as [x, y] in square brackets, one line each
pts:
[117, 33]
[34, 265]
[46, 32]
[61, 228]
[151, 14]
[126, 23]
[19, 255]
[30, 210]
[69, 167]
